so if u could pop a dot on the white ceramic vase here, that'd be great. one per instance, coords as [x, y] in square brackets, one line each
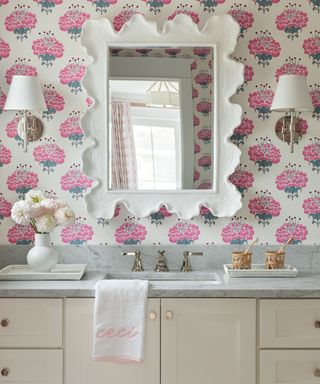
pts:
[42, 257]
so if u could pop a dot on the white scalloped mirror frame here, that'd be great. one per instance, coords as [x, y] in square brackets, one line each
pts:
[220, 32]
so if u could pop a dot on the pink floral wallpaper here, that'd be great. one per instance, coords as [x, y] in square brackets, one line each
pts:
[281, 191]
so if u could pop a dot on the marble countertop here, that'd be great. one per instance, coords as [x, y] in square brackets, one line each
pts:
[305, 285]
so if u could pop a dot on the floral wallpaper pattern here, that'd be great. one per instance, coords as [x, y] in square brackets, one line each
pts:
[281, 193]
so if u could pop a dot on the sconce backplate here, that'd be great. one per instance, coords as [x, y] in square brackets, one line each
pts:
[282, 129]
[34, 128]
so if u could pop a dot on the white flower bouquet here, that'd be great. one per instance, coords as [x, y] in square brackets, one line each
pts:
[42, 213]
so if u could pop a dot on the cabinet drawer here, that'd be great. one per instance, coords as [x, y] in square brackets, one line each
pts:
[290, 323]
[290, 367]
[31, 366]
[30, 323]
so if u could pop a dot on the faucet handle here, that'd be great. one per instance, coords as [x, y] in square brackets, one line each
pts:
[137, 264]
[186, 265]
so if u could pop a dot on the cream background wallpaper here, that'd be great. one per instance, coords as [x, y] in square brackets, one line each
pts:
[281, 190]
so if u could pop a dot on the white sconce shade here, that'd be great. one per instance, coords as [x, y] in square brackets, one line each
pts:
[292, 94]
[163, 93]
[25, 93]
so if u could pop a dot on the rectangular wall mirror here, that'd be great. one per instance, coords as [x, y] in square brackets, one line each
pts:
[161, 117]
[154, 94]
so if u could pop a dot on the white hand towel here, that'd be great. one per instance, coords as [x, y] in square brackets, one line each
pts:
[119, 320]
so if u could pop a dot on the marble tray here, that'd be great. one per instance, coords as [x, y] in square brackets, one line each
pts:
[259, 270]
[60, 272]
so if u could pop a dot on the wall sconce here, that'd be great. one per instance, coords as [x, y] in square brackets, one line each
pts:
[292, 96]
[25, 94]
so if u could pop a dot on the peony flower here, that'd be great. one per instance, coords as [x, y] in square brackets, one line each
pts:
[65, 216]
[21, 212]
[45, 223]
[34, 196]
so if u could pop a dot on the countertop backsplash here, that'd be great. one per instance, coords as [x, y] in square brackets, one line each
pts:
[275, 206]
[110, 258]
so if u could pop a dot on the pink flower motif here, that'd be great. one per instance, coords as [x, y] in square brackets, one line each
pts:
[204, 106]
[197, 148]
[311, 153]
[264, 207]
[48, 5]
[248, 73]
[70, 128]
[195, 93]
[5, 208]
[196, 120]
[184, 232]
[242, 131]
[205, 161]
[186, 10]
[4, 2]
[244, 18]
[202, 52]
[311, 207]
[72, 74]
[47, 48]
[205, 184]
[264, 154]
[261, 100]
[4, 49]
[48, 154]
[156, 5]
[12, 131]
[208, 216]
[21, 234]
[242, 179]
[73, 20]
[311, 47]
[78, 233]
[75, 181]
[89, 101]
[20, 21]
[264, 47]
[117, 211]
[5, 155]
[21, 67]
[130, 232]
[102, 5]
[172, 52]
[292, 228]
[237, 232]
[292, 67]
[203, 78]
[22, 180]
[196, 175]
[54, 101]
[205, 134]
[315, 97]
[3, 98]
[292, 20]
[125, 15]
[292, 180]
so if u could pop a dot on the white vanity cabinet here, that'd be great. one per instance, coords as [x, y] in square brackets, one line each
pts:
[31, 341]
[202, 340]
[289, 341]
[81, 369]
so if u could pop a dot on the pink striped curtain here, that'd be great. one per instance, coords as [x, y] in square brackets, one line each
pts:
[123, 162]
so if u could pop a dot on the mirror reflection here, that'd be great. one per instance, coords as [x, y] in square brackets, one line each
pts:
[160, 118]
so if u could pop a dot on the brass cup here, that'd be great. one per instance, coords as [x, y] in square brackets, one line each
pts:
[275, 260]
[241, 260]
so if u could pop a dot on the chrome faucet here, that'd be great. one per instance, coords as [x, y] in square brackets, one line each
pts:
[186, 265]
[161, 262]
[137, 264]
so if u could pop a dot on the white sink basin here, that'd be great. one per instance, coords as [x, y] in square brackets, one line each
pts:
[171, 280]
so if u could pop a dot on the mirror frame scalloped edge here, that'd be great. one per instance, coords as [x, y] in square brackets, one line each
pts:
[221, 33]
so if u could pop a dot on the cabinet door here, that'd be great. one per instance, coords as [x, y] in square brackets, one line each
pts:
[81, 369]
[208, 341]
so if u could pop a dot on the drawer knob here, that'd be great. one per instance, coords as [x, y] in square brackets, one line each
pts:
[169, 315]
[317, 324]
[5, 371]
[317, 372]
[152, 315]
[4, 323]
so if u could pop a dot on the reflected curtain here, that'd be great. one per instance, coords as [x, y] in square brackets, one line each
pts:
[123, 163]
